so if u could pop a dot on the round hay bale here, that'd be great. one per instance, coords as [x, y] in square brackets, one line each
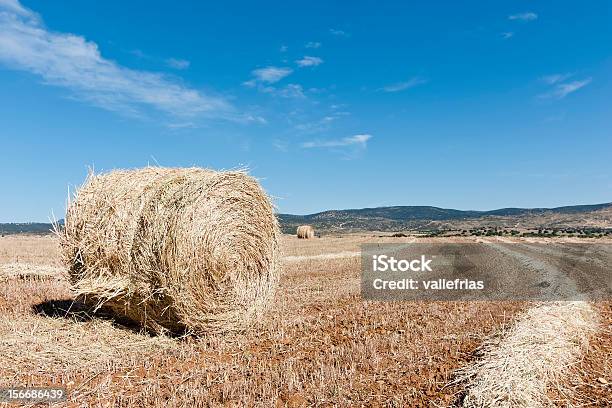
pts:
[179, 250]
[305, 232]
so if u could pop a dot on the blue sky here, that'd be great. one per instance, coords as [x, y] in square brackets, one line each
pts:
[468, 105]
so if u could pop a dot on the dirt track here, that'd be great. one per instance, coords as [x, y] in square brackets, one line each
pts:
[559, 271]
[509, 270]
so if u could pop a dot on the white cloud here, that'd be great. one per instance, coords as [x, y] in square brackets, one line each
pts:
[174, 63]
[318, 126]
[313, 44]
[401, 86]
[281, 145]
[561, 90]
[283, 48]
[140, 54]
[264, 78]
[289, 91]
[507, 35]
[555, 78]
[14, 6]
[181, 125]
[271, 74]
[527, 16]
[178, 63]
[251, 83]
[259, 119]
[72, 62]
[339, 33]
[359, 141]
[309, 61]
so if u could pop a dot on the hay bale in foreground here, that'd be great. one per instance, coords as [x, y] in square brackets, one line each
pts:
[174, 249]
[305, 232]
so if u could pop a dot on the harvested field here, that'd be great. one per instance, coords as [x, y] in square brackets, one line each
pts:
[31, 249]
[320, 345]
[29, 271]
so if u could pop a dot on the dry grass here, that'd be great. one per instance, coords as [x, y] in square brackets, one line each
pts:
[334, 255]
[518, 368]
[589, 384]
[32, 249]
[174, 249]
[29, 271]
[322, 346]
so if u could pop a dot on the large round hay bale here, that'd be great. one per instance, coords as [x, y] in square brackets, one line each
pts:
[305, 232]
[174, 249]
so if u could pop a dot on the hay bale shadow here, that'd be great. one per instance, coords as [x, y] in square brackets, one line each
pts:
[75, 310]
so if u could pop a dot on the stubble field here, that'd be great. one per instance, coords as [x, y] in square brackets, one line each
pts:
[320, 344]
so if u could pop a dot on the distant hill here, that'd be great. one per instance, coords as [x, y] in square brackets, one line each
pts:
[420, 218]
[25, 228]
[430, 218]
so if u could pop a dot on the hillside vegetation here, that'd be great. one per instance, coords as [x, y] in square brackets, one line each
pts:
[419, 218]
[433, 218]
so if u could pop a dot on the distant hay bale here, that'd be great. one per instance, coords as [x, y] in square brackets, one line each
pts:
[174, 249]
[305, 232]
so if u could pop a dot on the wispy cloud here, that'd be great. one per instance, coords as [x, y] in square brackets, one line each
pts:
[525, 17]
[14, 6]
[269, 75]
[339, 33]
[561, 90]
[320, 125]
[295, 91]
[72, 62]
[507, 35]
[140, 54]
[181, 125]
[177, 63]
[313, 44]
[555, 78]
[309, 61]
[265, 78]
[359, 141]
[401, 86]
[174, 63]
[283, 48]
[281, 145]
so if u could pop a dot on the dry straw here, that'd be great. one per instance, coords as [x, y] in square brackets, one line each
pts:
[305, 232]
[517, 369]
[27, 271]
[174, 249]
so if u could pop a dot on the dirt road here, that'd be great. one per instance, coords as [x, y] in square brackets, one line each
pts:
[535, 271]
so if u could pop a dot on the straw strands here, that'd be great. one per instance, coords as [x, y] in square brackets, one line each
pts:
[175, 249]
